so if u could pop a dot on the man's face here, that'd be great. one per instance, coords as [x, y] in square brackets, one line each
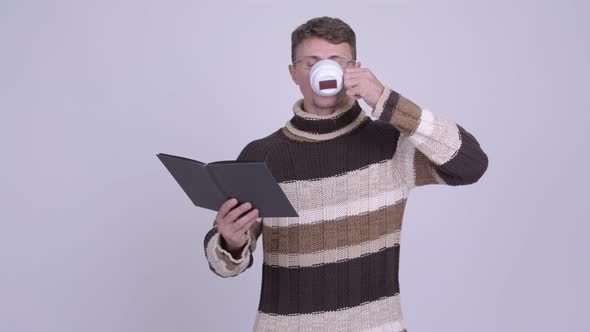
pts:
[322, 49]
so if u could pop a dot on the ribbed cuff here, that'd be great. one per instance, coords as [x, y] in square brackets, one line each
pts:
[397, 110]
[380, 106]
[243, 254]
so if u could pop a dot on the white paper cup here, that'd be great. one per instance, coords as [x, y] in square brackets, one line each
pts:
[326, 77]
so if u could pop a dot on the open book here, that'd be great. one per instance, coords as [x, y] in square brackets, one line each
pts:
[210, 185]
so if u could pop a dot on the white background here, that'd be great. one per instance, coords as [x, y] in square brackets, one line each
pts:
[95, 235]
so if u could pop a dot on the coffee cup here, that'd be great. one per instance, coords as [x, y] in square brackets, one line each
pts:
[326, 77]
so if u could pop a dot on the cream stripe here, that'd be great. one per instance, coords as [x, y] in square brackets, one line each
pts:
[397, 326]
[333, 255]
[320, 137]
[355, 207]
[360, 191]
[405, 151]
[437, 137]
[425, 127]
[382, 313]
[345, 209]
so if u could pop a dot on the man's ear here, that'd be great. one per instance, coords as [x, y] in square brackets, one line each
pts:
[292, 72]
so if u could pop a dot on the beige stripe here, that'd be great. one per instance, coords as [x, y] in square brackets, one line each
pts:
[437, 137]
[295, 137]
[388, 327]
[405, 153]
[320, 137]
[332, 234]
[352, 193]
[371, 315]
[298, 110]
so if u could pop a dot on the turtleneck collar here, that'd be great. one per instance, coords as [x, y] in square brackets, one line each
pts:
[324, 127]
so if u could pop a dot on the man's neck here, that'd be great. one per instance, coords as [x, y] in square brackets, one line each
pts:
[309, 107]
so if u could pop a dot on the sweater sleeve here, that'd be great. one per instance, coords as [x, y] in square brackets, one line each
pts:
[220, 260]
[431, 149]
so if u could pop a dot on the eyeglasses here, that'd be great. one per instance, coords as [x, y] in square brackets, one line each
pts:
[308, 61]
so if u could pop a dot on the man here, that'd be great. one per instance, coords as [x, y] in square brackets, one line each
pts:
[335, 267]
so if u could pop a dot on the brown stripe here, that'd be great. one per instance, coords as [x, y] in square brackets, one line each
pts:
[332, 256]
[424, 169]
[255, 231]
[389, 106]
[332, 234]
[406, 116]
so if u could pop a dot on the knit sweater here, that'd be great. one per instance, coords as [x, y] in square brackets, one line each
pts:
[335, 267]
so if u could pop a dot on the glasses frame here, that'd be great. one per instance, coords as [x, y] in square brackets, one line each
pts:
[348, 61]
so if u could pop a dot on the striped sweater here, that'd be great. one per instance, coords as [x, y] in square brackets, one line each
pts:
[335, 267]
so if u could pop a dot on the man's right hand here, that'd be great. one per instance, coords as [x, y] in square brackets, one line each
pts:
[231, 228]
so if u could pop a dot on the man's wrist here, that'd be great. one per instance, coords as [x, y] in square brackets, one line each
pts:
[236, 253]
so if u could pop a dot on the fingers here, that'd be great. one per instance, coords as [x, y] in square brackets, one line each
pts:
[232, 230]
[354, 74]
[236, 212]
[355, 80]
[351, 82]
[225, 208]
[246, 221]
[356, 69]
[354, 92]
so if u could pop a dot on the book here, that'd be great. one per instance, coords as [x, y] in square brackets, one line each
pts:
[209, 185]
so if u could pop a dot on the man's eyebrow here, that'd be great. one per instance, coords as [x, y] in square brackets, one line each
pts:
[331, 56]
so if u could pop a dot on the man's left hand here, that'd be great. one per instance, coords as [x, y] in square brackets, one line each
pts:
[361, 83]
